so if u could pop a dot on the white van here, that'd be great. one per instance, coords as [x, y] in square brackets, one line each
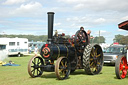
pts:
[15, 46]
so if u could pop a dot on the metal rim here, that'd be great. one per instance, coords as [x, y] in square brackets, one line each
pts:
[122, 69]
[62, 68]
[96, 60]
[34, 66]
[81, 40]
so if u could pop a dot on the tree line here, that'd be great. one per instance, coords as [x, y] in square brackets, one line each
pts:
[43, 38]
[121, 39]
[35, 38]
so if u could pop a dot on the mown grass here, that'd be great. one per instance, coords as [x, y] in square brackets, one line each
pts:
[18, 75]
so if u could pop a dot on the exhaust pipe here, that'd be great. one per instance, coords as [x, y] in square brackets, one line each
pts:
[50, 26]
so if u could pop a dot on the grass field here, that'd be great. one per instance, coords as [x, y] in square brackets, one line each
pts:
[18, 75]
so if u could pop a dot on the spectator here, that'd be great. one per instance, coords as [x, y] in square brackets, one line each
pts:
[36, 50]
[29, 49]
[88, 33]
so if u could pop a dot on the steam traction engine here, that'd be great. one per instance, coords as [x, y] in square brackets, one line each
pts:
[121, 62]
[68, 54]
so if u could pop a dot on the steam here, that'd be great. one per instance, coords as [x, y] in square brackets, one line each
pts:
[3, 55]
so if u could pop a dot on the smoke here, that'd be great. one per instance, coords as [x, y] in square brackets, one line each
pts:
[3, 55]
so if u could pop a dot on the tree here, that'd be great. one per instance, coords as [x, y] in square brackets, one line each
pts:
[118, 38]
[100, 39]
[124, 40]
[121, 39]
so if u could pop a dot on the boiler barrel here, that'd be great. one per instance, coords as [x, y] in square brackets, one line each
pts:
[53, 51]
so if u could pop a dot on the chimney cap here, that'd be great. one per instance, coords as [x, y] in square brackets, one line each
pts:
[50, 13]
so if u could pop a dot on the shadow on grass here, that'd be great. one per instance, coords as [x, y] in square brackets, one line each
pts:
[51, 76]
[79, 72]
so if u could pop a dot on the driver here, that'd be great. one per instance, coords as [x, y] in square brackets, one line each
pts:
[81, 28]
[88, 33]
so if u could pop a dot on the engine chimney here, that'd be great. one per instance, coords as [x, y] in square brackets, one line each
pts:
[50, 26]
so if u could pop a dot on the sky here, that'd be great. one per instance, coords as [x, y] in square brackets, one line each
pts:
[30, 16]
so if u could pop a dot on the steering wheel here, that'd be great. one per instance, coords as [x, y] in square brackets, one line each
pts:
[81, 41]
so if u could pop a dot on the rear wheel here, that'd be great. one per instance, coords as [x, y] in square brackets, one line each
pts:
[93, 59]
[120, 67]
[62, 68]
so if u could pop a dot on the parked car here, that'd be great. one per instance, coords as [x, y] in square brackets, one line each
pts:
[113, 52]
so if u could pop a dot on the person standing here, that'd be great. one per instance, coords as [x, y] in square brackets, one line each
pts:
[29, 49]
[36, 50]
[88, 33]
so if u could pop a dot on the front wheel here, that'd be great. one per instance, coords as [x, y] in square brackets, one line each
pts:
[120, 67]
[35, 66]
[62, 68]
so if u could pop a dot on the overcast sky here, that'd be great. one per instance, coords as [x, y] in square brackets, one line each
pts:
[30, 16]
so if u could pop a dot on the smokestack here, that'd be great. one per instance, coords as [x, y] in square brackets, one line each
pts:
[50, 26]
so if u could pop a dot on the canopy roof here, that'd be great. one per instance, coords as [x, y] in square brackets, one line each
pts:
[123, 25]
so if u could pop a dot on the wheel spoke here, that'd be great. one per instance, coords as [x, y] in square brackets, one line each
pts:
[95, 52]
[98, 63]
[60, 70]
[124, 72]
[92, 54]
[121, 67]
[62, 63]
[63, 73]
[35, 61]
[98, 55]
[96, 69]
[38, 60]
[91, 64]
[34, 72]
[91, 59]
[123, 61]
[66, 64]
[37, 71]
[32, 66]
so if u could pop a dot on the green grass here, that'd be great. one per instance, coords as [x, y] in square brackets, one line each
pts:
[18, 75]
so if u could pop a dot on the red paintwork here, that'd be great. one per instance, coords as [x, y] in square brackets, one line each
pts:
[46, 50]
[46, 45]
[123, 67]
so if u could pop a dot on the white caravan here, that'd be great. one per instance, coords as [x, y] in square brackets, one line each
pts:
[14, 46]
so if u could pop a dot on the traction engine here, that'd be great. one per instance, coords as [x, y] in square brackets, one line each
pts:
[121, 66]
[64, 55]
